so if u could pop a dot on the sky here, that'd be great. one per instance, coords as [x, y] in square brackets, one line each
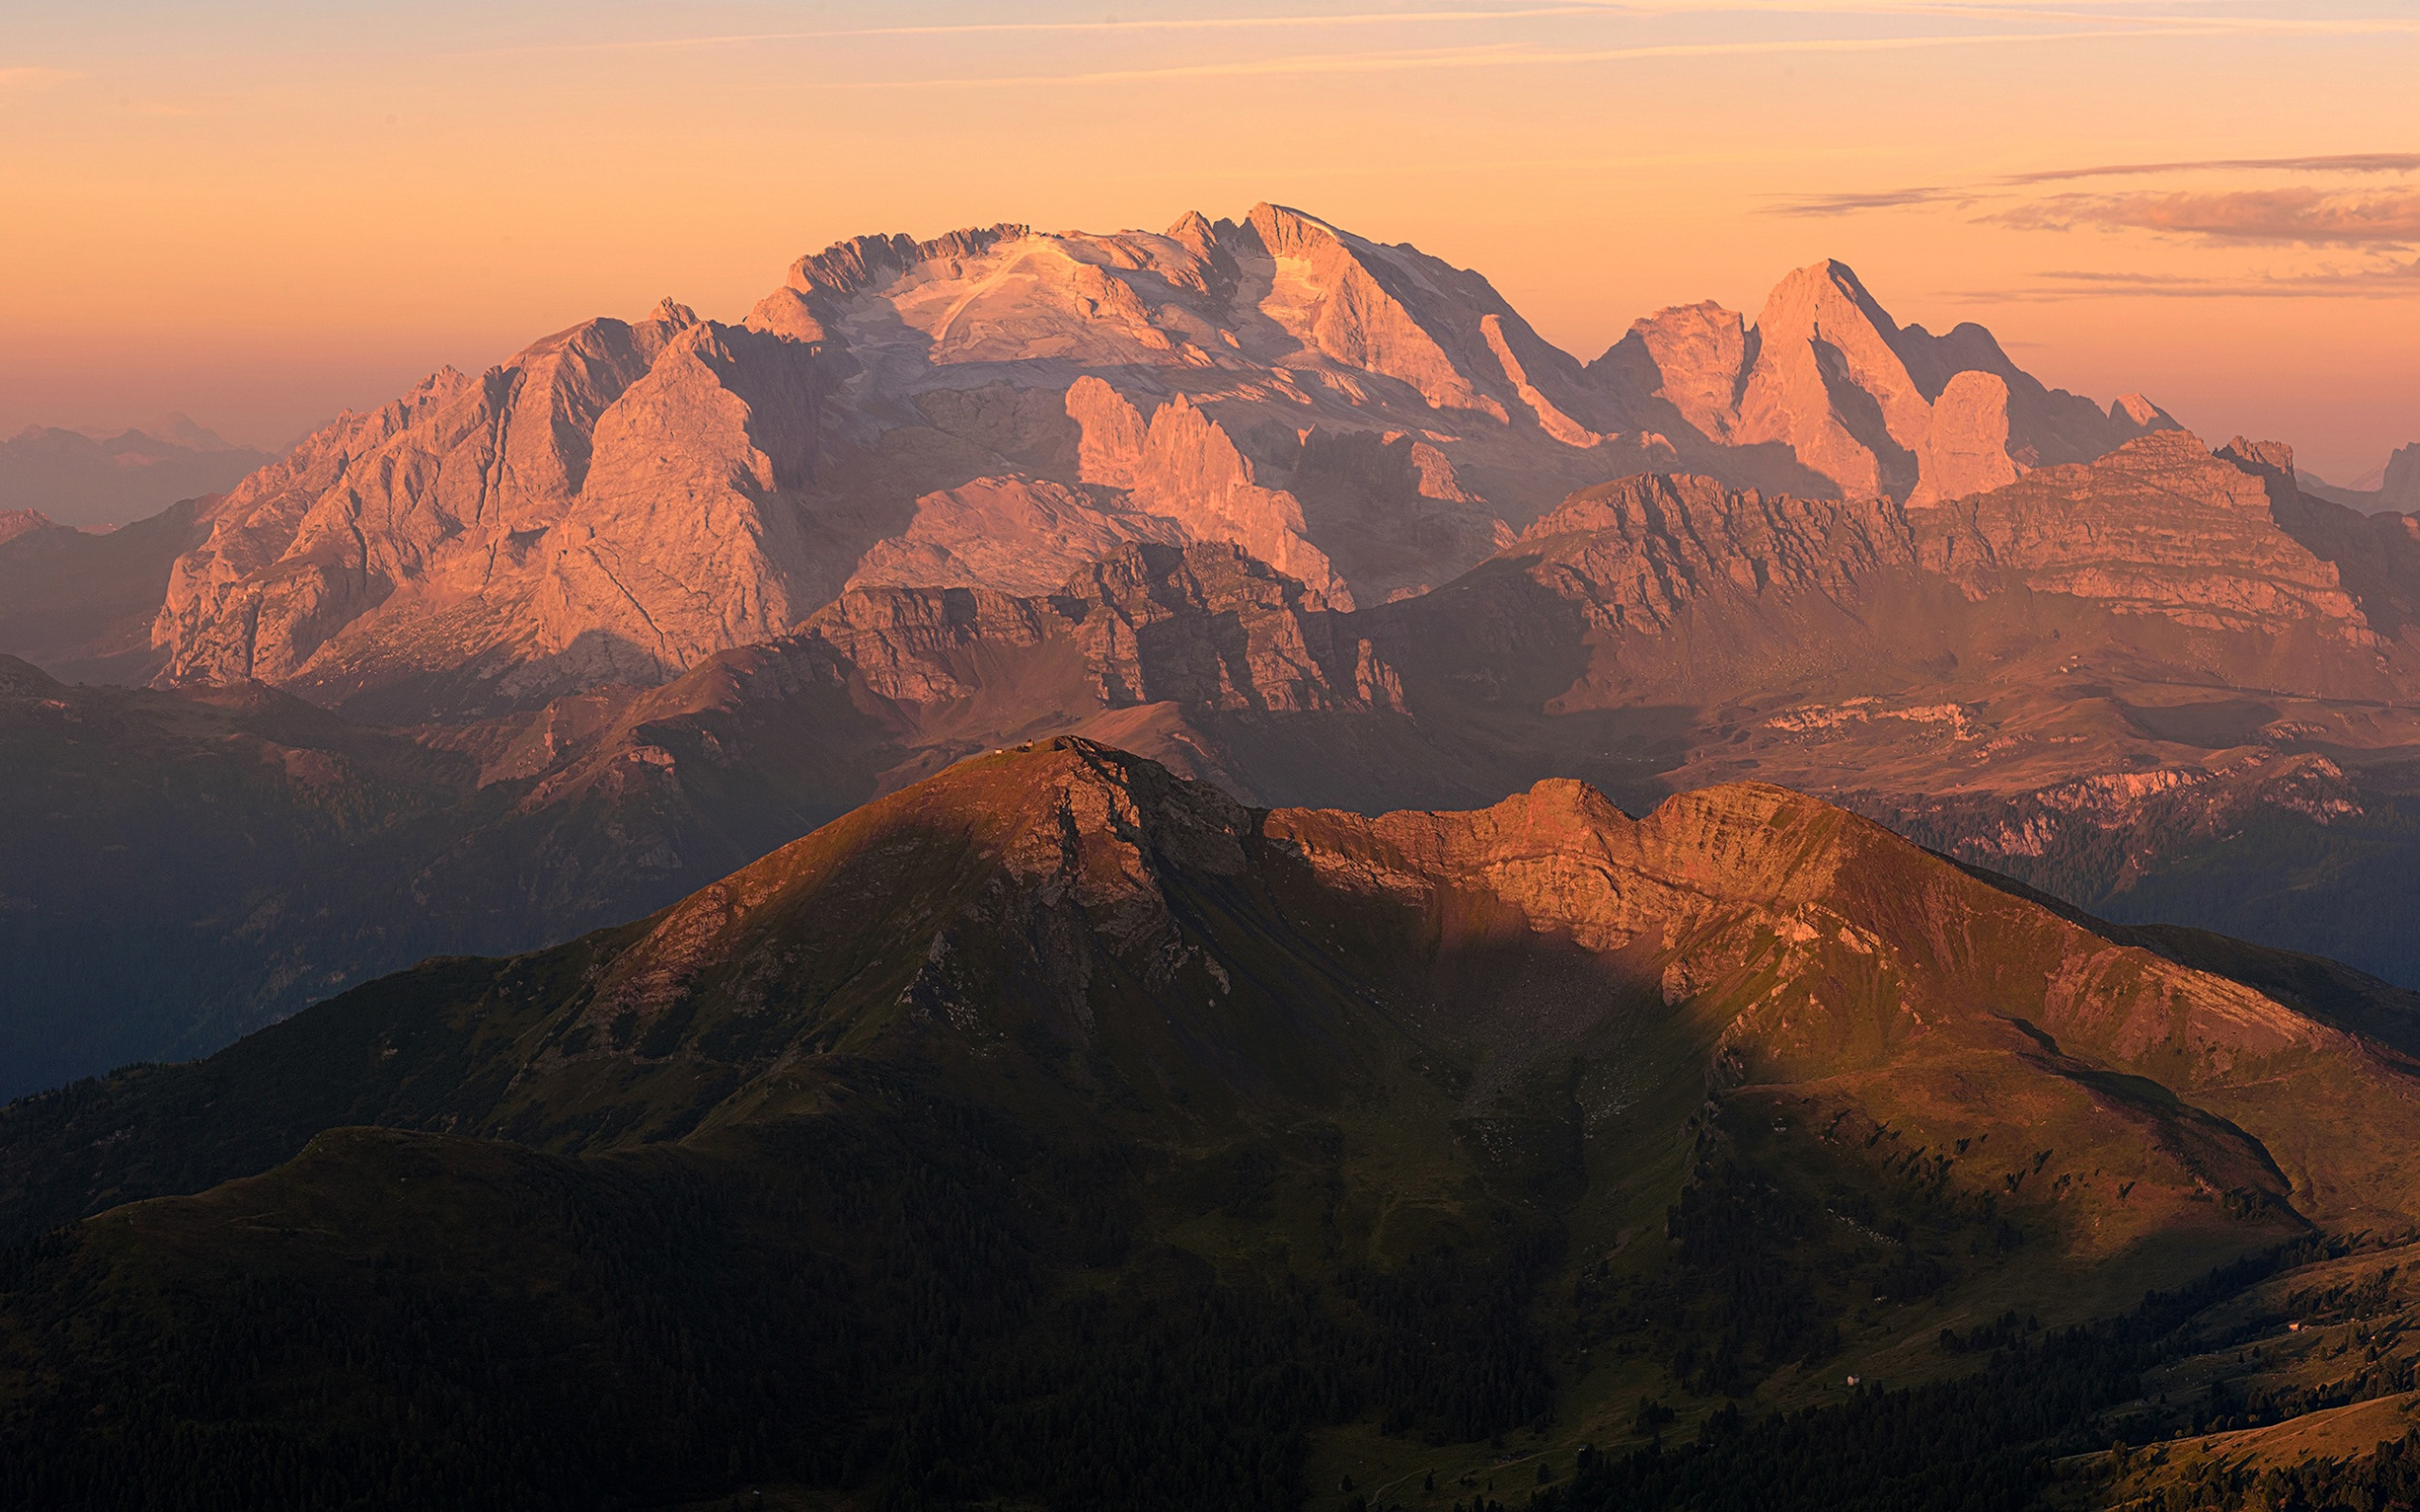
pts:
[260, 211]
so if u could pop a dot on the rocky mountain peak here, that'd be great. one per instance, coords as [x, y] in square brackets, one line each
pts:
[2141, 413]
[1700, 355]
[2400, 486]
[1285, 232]
[1821, 337]
[1824, 291]
[2273, 461]
[1863, 405]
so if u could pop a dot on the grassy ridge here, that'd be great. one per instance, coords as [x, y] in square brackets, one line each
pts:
[1057, 1133]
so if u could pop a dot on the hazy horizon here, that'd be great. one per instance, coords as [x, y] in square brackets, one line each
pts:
[260, 213]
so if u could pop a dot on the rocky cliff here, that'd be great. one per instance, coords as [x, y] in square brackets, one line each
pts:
[555, 522]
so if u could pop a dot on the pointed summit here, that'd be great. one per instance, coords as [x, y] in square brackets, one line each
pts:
[1865, 404]
[1820, 335]
[2140, 413]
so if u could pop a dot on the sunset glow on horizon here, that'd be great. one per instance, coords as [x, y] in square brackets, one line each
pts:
[261, 213]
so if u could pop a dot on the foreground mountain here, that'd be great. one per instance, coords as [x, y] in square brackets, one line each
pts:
[1061, 1130]
[998, 407]
[82, 480]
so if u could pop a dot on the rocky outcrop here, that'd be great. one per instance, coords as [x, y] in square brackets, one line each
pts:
[1214, 629]
[1390, 499]
[1966, 447]
[1182, 465]
[1699, 357]
[1683, 584]
[2140, 819]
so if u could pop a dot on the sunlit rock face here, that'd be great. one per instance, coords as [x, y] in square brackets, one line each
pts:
[998, 407]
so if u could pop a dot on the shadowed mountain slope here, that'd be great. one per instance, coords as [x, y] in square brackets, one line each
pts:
[80, 606]
[177, 869]
[980, 1078]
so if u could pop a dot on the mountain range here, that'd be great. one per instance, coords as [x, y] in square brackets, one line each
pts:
[997, 407]
[80, 480]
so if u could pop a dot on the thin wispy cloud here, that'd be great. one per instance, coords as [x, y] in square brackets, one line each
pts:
[1504, 56]
[1596, 10]
[2378, 280]
[1851, 204]
[1367, 18]
[2086, 20]
[1858, 203]
[2181, 281]
[1145, 26]
[2329, 163]
[2296, 217]
[2331, 213]
[1576, 11]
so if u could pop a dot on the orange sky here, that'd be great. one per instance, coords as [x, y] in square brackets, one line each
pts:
[259, 212]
